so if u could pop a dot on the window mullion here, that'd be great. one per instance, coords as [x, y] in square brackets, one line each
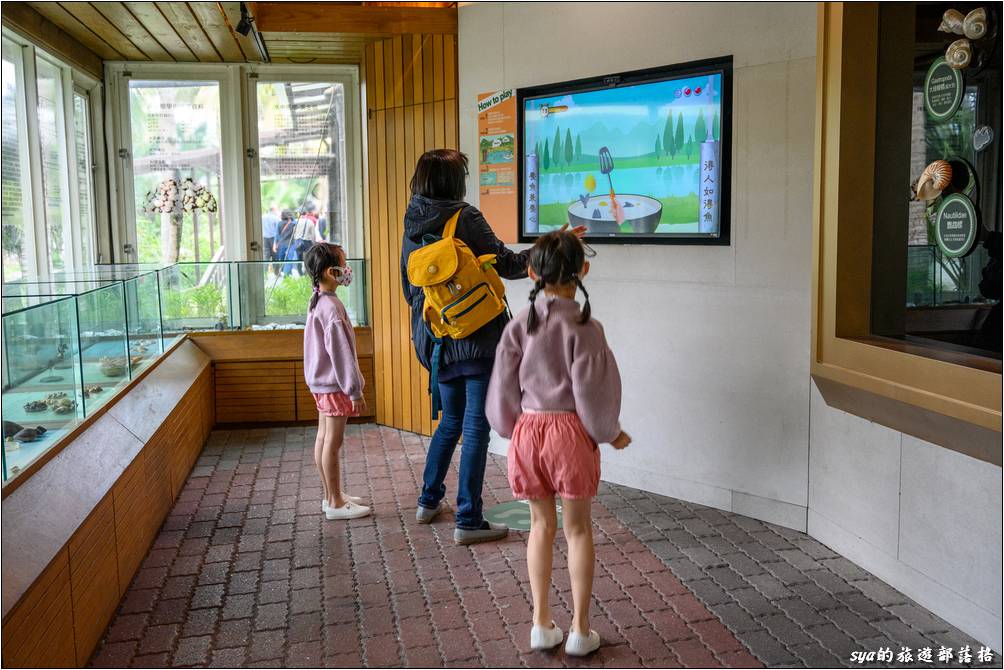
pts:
[37, 227]
[70, 196]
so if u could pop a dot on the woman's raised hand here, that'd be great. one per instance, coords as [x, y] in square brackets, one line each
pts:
[578, 231]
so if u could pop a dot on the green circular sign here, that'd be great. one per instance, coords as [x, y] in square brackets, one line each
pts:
[515, 514]
[943, 90]
[955, 225]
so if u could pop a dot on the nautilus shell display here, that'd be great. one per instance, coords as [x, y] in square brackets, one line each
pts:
[973, 25]
[933, 180]
[959, 54]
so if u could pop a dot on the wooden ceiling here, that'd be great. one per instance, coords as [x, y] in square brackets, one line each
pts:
[154, 31]
[293, 32]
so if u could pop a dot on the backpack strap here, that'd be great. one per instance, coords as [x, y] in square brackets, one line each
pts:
[450, 229]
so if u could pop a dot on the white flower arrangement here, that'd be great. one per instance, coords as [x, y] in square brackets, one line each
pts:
[170, 197]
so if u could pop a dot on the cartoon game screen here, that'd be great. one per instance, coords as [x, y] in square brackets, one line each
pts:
[636, 161]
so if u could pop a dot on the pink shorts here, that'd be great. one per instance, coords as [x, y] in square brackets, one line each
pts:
[334, 404]
[551, 454]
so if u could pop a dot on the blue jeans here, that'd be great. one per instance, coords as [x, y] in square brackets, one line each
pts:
[463, 413]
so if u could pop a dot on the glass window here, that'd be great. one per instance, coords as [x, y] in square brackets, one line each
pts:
[15, 194]
[936, 272]
[302, 164]
[177, 169]
[52, 138]
[82, 154]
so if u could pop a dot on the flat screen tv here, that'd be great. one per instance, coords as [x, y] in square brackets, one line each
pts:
[637, 157]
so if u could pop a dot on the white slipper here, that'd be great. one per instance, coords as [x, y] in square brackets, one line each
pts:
[349, 510]
[545, 638]
[353, 499]
[581, 645]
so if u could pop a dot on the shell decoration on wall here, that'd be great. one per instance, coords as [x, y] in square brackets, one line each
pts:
[951, 22]
[933, 180]
[973, 25]
[171, 197]
[959, 54]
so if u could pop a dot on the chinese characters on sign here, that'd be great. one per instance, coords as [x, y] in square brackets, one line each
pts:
[708, 197]
[925, 655]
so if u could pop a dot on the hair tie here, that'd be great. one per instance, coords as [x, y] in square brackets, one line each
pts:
[317, 289]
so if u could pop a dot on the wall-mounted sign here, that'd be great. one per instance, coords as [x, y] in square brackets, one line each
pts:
[497, 161]
[943, 89]
[955, 225]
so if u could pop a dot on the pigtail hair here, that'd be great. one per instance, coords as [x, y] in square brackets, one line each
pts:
[586, 309]
[315, 297]
[531, 317]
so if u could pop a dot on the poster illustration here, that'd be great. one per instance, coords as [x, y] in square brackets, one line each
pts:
[497, 161]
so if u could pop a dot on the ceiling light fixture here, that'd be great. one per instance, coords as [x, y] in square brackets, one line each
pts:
[246, 27]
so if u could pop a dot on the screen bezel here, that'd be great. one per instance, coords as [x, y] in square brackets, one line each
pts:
[721, 65]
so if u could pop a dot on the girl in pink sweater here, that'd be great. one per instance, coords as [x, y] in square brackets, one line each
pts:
[555, 390]
[332, 372]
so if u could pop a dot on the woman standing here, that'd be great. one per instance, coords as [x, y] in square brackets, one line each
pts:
[438, 187]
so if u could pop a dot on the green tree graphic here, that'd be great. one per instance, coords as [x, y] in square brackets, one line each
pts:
[700, 127]
[667, 137]
[715, 130]
[546, 156]
[578, 148]
[658, 146]
[678, 136]
[556, 148]
[569, 149]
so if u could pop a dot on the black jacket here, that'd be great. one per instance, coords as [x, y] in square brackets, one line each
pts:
[426, 216]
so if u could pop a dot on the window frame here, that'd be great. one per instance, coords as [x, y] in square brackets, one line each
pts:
[33, 205]
[241, 198]
[947, 399]
[119, 141]
[348, 77]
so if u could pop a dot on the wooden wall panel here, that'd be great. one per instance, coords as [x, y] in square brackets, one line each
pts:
[94, 578]
[39, 631]
[410, 83]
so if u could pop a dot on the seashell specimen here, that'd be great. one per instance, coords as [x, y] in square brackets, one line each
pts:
[64, 406]
[30, 434]
[136, 360]
[959, 53]
[982, 137]
[951, 22]
[92, 389]
[10, 444]
[35, 406]
[112, 366]
[933, 180]
[14, 469]
[975, 24]
[10, 428]
[55, 396]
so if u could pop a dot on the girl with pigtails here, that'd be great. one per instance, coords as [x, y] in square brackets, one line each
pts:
[555, 391]
[331, 369]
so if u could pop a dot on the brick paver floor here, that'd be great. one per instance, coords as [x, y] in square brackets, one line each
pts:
[247, 573]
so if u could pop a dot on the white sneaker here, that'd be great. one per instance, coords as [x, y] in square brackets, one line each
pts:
[545, 638]
[581, 645]
[352, 499]
[349, 510]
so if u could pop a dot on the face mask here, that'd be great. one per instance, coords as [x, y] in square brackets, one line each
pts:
[344, 277]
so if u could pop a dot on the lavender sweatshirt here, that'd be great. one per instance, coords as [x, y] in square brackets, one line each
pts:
[564, 366]
[329, 350]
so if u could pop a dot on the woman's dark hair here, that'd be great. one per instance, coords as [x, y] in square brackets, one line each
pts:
[316, 261]
[441, 174]
[556, 258]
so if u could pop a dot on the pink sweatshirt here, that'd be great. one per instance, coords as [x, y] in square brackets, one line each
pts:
[564, 366]
[329, 350]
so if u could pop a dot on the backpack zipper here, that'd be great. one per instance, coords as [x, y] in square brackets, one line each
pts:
[460, 300]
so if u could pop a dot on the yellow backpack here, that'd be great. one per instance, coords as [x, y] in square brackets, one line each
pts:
[463, 292]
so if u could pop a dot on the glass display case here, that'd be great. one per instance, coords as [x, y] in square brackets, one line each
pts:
[42, 380]
[70, 343]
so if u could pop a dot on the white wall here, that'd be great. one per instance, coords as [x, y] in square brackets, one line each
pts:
[925, 519]
[713, 342]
